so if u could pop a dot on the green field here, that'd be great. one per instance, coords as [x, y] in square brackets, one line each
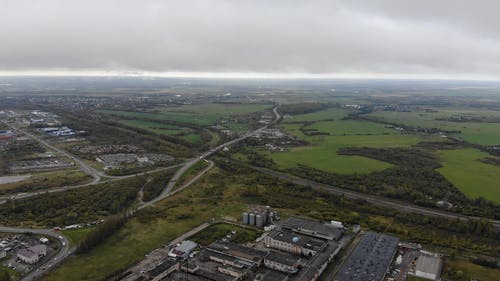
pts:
[220, 231]
[157, 128]
[329, 114]
[149, 229]
[474, 178]
[462, 270]
[475, 132]
[199, 114]
[76, 235]
[321, 153]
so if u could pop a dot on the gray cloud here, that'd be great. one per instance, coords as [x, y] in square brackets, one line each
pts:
[424, 37]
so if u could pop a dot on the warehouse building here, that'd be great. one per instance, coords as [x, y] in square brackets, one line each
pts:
[282, 262]
[370, 260]
[329, 231]
[294, 243]
[428, 266]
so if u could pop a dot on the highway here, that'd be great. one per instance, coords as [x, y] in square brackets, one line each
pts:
[41, 269]
[173, 181]
[65, 251]
[375, 200]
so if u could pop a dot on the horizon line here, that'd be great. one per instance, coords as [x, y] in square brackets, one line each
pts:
[247, 75]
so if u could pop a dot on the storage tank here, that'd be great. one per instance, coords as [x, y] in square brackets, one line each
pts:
[259, 221]
[245, 218]
[252, 219]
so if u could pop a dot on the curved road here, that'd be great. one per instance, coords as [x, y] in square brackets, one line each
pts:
[64, 251]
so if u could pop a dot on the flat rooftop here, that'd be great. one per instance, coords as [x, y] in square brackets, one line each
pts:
[370, 259]
[314, 228]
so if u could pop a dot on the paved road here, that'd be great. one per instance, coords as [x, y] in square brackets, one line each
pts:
[86, 168]
[173, 181]
[64, 251]
[375, 200]
[4, 198]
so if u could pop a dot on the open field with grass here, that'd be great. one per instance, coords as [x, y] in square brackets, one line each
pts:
[475, 132]
[321, 152]
[462, 270]
[47, 180]
[76, 235]
[151, 228]
[157, 128]
[219, 231]
[474, 178]
[201, 115]
[14, 275]
[329, 114]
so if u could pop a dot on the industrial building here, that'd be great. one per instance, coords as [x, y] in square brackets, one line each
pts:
[259, 216]
[6, 135]
[428, 266]
[32, 254]
[332, 231]
[182, 250]
[370, 260]
[282, 262]
[294, 243]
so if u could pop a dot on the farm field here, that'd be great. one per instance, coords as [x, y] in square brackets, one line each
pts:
[321, 153]
[474, 178]
[483, 133]
[201, 115]
[155, 127]
[462, 270]
[329, 114]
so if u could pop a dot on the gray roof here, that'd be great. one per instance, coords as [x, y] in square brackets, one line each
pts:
[429, 264]
[237, 250]
[283, 258]
[299, 240]
[313, 228]
[370, 259]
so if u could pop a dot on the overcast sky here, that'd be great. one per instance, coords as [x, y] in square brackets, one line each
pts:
[392, 38]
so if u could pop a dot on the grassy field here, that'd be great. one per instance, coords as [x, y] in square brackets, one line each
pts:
[200, 114]
[157, 128]
[474, 178]
[462, 270]
[48, 180]
[329, 114]
[475, 132]
[14, 275]
[220, 231]
[321, 153]
[150, 229]
[76, 235]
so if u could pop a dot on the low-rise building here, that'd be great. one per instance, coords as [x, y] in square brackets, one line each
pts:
[32, 254]
[314, 228]
[3, 253]
[294, 243]
[428, 266]
[182, 250]
[283, 262]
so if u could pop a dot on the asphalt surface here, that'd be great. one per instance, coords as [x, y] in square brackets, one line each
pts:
[375, 200]
[41, 269]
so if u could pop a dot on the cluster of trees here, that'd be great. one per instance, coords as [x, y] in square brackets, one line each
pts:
[110, 226]
[155, 185]
[302, 108]
[74, 206]
[321, 205]
[104, 131]
[414, 179]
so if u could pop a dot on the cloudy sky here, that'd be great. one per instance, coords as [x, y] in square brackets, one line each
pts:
[334, 38]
